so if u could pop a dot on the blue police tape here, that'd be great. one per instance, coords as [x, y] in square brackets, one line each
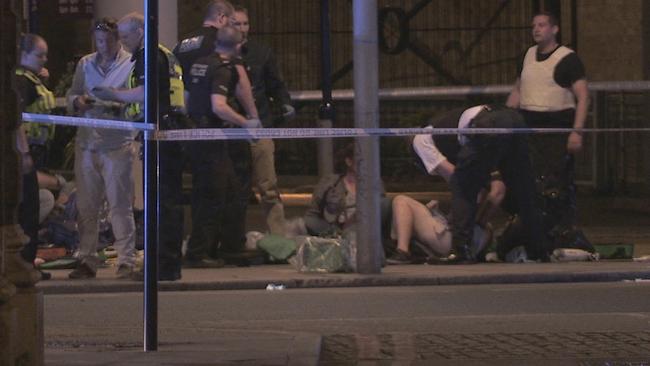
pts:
[86, 122]
[294, 133]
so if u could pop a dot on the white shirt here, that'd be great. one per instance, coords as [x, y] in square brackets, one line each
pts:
[89, 75]
[426, 148]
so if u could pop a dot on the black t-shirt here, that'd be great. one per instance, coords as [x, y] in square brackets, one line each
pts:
[200, 43]
[209, 75]
[569, 70]
[163, 77]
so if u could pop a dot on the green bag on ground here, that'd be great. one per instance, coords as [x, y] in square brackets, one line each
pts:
[61, 263]
[321, 255]
[615, 250]
[278, 247]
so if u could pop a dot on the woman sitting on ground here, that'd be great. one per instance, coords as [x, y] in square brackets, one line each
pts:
[333, 204]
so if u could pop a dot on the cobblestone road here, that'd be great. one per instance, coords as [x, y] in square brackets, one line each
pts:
[351, 349]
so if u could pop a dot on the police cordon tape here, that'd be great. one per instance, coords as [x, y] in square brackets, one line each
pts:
[86, 122]
[206, 134]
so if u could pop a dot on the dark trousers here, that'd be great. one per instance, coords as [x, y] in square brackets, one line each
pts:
[171, 160]
[220, 186]
[233, 221]
[553, 166]
[28, 211]
[483, 154]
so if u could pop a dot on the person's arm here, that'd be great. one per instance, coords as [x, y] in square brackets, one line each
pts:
[433, 160]
[186, 95]
[445, 169]
[489, 202]
[318, 196]
[581, 91]
[276, 88]
[514, 96]
[76, 96]
[432, 204]
[221, 108]
[135, 95]
[497, 192]
[244, 92]
[49, 181]
[222, 82]
[27, 164]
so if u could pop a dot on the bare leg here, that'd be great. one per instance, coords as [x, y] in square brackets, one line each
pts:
[402, 222]
[411, 217]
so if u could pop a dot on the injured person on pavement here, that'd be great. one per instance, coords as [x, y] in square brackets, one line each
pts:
[484, 171]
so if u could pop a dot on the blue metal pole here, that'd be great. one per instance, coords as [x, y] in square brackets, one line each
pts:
[151, 179]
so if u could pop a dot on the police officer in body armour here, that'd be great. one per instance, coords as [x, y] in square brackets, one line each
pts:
[212, 80]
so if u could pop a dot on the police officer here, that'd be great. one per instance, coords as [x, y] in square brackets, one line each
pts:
[32, 142]
[473, 162]
[212, 80]
[200, 43]
[267, 85]
[552, 91]
[171, 106]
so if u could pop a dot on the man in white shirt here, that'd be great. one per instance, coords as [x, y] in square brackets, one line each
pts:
[103, 157]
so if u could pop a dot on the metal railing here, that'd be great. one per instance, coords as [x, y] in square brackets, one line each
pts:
[608, 162]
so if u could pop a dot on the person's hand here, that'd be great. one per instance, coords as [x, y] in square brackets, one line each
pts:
[252, 123]
[497, 192]
[432, 204]
[104, 93]
[83, 103]
[288, 111]
[44, 74]
[574, 144]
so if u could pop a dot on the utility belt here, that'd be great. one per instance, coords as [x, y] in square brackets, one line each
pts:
[206, 122]
[176, 120]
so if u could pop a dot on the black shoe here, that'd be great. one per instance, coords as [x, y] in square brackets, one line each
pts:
[45, 275]
[169, 272]
[459, 255]
[82, 272]
[399, 257]
[162, 276]
[244, 258]
[169, 276]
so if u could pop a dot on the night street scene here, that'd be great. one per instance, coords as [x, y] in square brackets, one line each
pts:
[325, 182]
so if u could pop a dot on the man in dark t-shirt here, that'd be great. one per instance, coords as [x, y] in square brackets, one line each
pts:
[200, 43]
[551, 91]
[218, 215]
